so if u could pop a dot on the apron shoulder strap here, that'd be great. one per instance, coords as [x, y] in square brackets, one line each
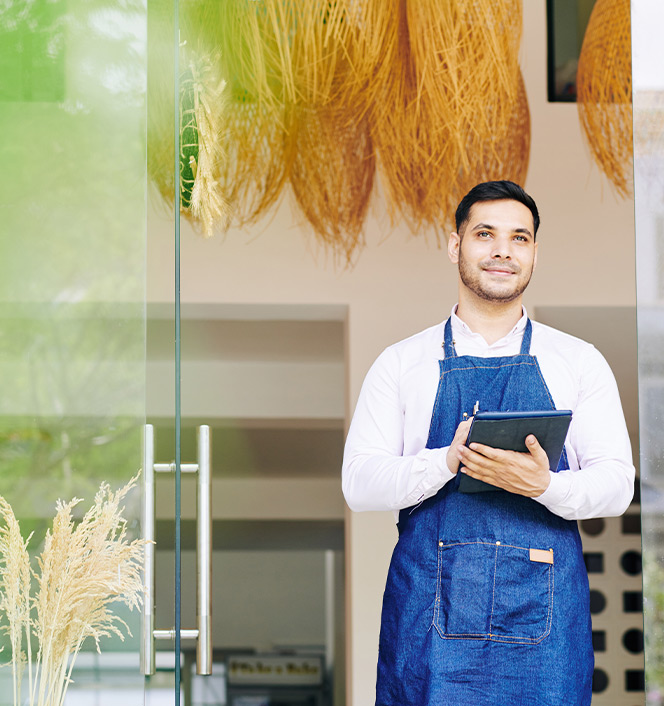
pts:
[448, 344]
[527, 338]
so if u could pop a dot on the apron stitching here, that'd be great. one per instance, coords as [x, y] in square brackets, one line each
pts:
[495, 638]
[551, 584]
[493, 595]
[494, 367]
[490, 544]
[436, 610]
[546, 387]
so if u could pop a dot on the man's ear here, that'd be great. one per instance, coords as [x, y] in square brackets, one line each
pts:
[535, 257]
[453, 245]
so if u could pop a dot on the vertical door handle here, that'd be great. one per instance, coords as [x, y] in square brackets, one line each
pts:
[147, 527]
[204, 554]
[203, 631]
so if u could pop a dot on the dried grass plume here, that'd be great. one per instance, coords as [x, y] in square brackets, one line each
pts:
[83, 569]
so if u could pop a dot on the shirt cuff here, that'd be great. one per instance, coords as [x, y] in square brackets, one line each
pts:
[556, 492]
[437, 462]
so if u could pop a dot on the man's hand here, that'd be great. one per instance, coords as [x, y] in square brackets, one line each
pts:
[521, 473]
[460, 436]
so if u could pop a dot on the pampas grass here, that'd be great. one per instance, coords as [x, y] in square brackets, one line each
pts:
[15, 592]
[83, 569]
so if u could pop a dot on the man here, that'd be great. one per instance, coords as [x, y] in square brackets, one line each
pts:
[487, 599]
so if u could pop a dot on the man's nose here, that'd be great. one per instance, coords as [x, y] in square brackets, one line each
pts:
[500, 250]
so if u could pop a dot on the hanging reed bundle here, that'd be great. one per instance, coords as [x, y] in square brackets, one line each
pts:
[504, 156]
[454, 112]
[254, 37]
[604, 91]
[465, 59]
[259, 149]
[400, 132]
[203, 106]
[289, 51]
[332, 175]
[202, 103]
[160, 101]
[288, 62]
[372, 47]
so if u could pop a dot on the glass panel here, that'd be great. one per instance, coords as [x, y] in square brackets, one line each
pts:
[648, 96]
[162, 220]
[269, 380]
[72, 298]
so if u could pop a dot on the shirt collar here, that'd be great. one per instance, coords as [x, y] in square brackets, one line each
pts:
[461, 329]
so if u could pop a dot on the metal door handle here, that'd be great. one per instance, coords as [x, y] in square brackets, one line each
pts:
[204, 554]
[203, 632]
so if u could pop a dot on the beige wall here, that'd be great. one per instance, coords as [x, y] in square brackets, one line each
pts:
[401, 284]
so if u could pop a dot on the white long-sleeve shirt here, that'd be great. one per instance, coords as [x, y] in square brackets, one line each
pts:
[387, 467]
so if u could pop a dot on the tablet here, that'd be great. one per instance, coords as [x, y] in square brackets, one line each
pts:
[508, 430]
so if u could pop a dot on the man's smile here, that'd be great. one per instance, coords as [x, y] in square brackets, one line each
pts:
[500, 270]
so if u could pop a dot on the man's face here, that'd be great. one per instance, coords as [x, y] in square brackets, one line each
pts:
[496, 250]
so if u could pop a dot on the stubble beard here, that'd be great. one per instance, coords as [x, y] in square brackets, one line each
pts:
[472, 280]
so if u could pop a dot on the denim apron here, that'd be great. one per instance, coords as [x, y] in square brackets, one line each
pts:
[487, 599]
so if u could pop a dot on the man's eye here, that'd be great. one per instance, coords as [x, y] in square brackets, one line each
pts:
[484, 234]
[521, 238]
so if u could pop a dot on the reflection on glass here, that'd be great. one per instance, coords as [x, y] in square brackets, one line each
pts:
[648, 92]
[72, 280]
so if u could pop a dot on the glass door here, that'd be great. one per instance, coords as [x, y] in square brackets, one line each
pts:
[264, 378]
[72, 350]
[648, 103]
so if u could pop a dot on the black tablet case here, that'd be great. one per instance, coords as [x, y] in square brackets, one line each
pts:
[508, 430]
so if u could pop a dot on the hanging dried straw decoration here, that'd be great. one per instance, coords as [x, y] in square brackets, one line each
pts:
[202, 158]
[332, 175]
[160, 99]
[604, 90]
[259, 156]
[504, 156]
[256, 49]
[290, 51]
[400, 131]
[286, 59]
[372, 49]
[300, 98]
[465, 57]
[454, 112]
[333, 167]
[202, 114]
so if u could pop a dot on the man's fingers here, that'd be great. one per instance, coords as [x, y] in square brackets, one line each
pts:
[462, 432]
[538, 453]
[489, 452]
[475, 459]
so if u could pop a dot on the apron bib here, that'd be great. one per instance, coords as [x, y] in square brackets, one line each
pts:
[487, 599]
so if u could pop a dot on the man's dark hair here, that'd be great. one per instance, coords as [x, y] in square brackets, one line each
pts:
[495, 191]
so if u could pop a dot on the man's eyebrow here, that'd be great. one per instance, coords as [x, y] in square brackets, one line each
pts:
[523, 230]
[487, 226]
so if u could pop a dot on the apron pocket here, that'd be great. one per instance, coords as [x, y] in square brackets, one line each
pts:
[493, 591]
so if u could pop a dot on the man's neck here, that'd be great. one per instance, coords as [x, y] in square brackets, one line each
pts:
[492, 320]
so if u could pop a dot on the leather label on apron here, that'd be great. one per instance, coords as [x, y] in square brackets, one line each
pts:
[544, 556]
